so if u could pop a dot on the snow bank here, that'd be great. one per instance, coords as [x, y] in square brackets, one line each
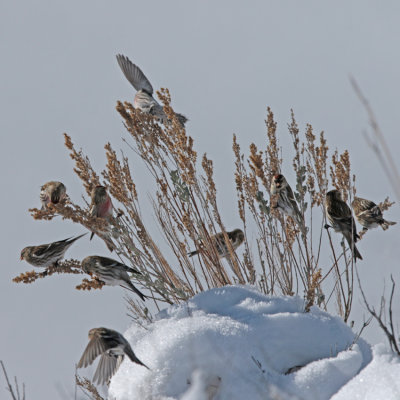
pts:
[378, 380]
[235, 343]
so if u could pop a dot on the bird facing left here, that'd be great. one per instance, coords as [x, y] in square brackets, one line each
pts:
[45, 255]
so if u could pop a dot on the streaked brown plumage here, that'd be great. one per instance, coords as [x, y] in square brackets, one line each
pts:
[341, 219]
[52, 193]
[111, 272]
[45, 255]
[112, 347]
[101, 207]
[236, 238]
[369, 215]
[285, 199]
[144, 99]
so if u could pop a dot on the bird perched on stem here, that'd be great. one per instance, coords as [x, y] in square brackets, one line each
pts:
[369, 215]
[111, 272]
[236, 238]
[45, 255]
[101, 207]
[285, 199]
[52, 192]
[341, 219]
[112, 347]
[144, 99]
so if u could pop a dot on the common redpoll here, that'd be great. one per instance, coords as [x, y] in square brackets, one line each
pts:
[341, 219]
[236, 238]
[111, 272]
[144, 99]
[101, 206]
[47, 254]
[112, 347]
[52, 193]
[285, 199]
[369, 215]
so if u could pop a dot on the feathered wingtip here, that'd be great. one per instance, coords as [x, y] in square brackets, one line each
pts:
[356, 254]
[385, 225]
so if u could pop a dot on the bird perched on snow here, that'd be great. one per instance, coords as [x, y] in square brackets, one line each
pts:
[52, 193]
[111, 272]
[47, 254]
[236, 238]
[144, 99]
[285, 199]
[369, 215]
[341, 219]
[112, 347]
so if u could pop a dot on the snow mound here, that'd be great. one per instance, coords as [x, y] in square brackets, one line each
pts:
[235, 343]
[379, 380]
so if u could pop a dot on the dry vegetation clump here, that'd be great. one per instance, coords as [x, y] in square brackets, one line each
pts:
[284, 258]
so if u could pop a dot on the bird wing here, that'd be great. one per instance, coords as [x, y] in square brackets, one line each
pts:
[109, 262]
[95, 347]
[127, 284]
[44, 249]
[134, 74]
[292, 199]
[365, 204]
[340, 211]
[107, 367]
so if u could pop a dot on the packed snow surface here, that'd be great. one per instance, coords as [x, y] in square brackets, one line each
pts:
[235, 343]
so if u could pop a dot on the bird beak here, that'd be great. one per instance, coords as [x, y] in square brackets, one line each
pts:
[21, 258]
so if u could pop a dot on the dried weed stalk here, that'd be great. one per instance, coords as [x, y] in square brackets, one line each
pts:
[284, 259]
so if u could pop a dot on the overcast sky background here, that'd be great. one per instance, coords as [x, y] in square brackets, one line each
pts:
[224, 63]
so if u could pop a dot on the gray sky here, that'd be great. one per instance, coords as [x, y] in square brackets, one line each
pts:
[224, 63]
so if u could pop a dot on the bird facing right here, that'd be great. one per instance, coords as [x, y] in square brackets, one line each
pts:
[111, 272]
[341, 219]
[144, 99]
[112, 347]
[369, 215]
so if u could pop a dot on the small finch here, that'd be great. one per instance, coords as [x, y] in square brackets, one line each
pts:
[112, 347]
[285, 199]
[144, 99]
[111, 272]
[236, 238]
[101, 206]
[341, 219]
[47, 254]
[369, 215]
[52, 193]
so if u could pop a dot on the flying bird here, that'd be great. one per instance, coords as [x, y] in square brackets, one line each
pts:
[45, 255]
[236, 237]
[111, 272]
[341, 219]
[52, 193]
[369, 215]
[112, 347]
[285, 199]
[144, 99]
